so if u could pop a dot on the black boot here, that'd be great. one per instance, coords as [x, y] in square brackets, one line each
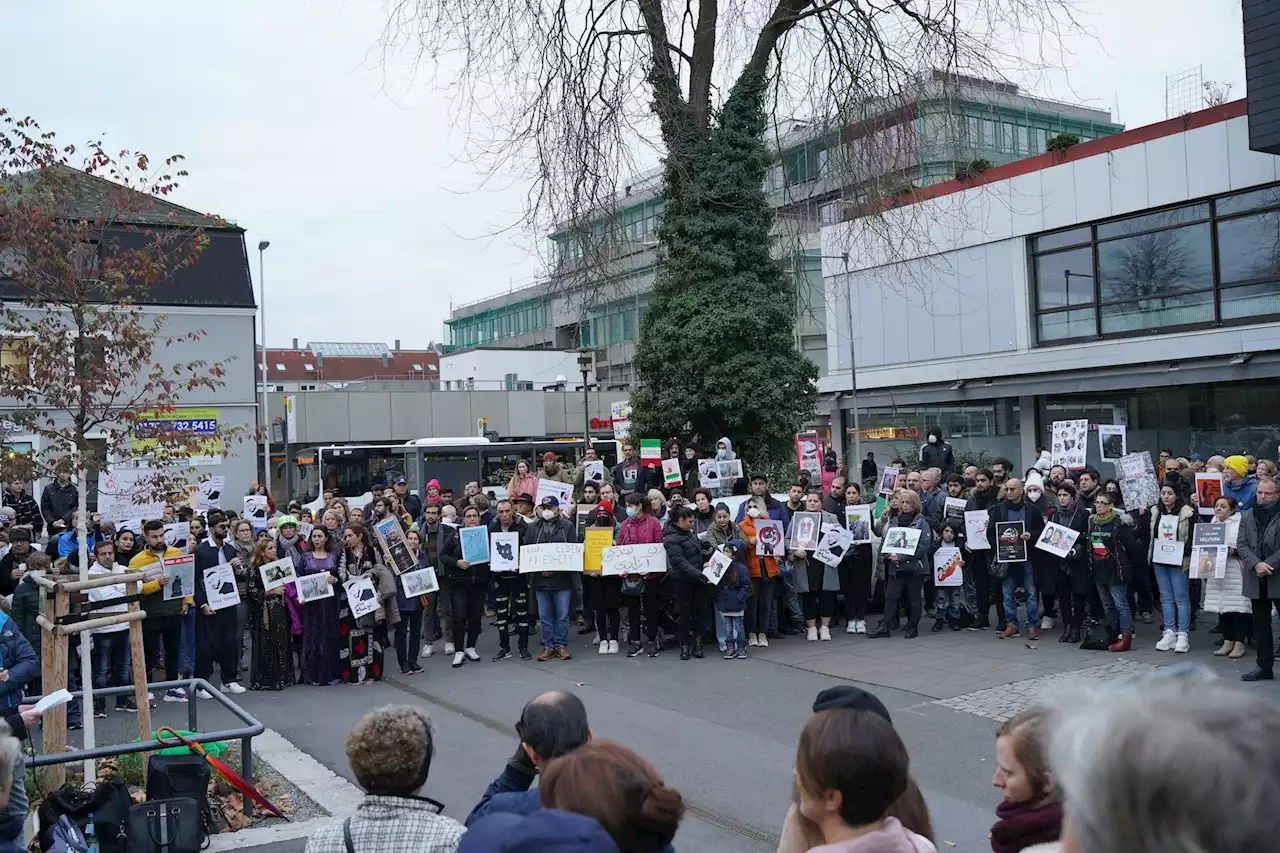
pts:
[684, 653]
[1066, 632]
[938, 625]
[635, 650]
[912, 631]
[1074, 637]
[882, 630]
[697, 648]
[524, 648]
[1258, 674]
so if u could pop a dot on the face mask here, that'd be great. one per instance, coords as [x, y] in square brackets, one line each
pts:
[1033, 494]
[631, 512]
[548, 514]
[753, 512]
[933, 439]
[722, 453]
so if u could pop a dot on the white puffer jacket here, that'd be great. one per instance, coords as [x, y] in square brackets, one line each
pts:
[1224, 595]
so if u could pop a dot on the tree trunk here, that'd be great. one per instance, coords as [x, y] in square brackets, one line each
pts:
[86, 658]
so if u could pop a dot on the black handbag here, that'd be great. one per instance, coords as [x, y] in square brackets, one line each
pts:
[106, 807]
[632, 586]
[165, 826]
[1097, 637]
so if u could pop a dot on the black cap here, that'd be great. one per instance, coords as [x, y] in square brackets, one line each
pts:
[848, 696]
[20, 534]
[759, 476]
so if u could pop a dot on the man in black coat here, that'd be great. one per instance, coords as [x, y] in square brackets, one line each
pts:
[510, 590]
[977, 562]
[217, 637]
[685, 557]
[1013, 507]
[58, 500]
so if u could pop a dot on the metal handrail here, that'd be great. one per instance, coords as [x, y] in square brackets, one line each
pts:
[251, 729]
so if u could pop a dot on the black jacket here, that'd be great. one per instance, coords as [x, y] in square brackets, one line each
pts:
[684, 554]
[25, 510]
[1114, 549]
[1076, 563]
[8, 562]
[646, 479]
[938, 455]
[451, 553]
[207, 558]
[57, 501]
[540, 532]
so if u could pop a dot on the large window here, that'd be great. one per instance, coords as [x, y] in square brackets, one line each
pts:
[1202, 264]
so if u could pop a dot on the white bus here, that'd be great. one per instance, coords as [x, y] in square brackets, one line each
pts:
[351, 470]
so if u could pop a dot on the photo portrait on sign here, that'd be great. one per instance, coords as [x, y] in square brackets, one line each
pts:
[421, 582]
[836, 542]
[277, 573]
[805, 531]
[362, 597]
[901, 541]
[220, 587]
[717, 566]
[593, 471]
[858, 520]
[708, 473]
[1057, 539]
[179, 576]
[1111, 441]
[255, 508]
[314, 587]
[1208, 490]
[888, 478]
[729, 469]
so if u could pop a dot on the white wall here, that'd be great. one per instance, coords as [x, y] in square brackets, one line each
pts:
[489, 367]
[940, 289]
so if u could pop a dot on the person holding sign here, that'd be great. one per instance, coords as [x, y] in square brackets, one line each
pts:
[270, 626]
[1171, 521]
[467, 586]
[1014, 508]
[641, 592]
[553, 590]
[977, 553]
[510, 589]
[1258, 543]
[907, 573]
[163, 626]
[605, 593]
[732, 599]
[685, 557]
[822, 580]
[321, 661]
[1114, 555]
[216, 637]
[1225, 595]
[1074, 581]
[366, 636]
[856, 567]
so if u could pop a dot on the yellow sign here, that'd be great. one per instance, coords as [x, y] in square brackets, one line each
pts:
[594, 543]
[196, 423]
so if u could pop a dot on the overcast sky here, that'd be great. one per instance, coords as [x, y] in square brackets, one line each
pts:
[294, 134]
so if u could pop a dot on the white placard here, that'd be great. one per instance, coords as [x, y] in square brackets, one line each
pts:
[947, 567]
[1167, 553]
[362, 596]
[805, 531]
[717, 566]
[858, 519]
[1167, 528]
[1057, 539]
[1112, 443]
[836, 542]
[954, 510]
[179, 576]
[255, 508]
[729, 469]
[177, 535]
[277, 573]
[708, 473]
[593, 472]
[209, 493]
[976, 522]
[671, 472]
[421, 582]
[551, 557]
[124, 494]
[1069, 443]
[633, 560]
[220, 588]
[620, 414]
[314, 587]
[562, 492]
[901, 541]
[771, 541]
[504, 551]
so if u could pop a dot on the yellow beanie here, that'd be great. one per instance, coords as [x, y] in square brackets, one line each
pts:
[1238, 464]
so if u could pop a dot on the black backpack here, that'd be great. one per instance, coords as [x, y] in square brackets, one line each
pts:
[106, 807]
[181, 777]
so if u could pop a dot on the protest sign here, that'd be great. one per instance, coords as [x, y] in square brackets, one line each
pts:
[314, 587]
[179, 576]
[708, 473]
[209, 493]
[650, 452]
[1137, 475]
[858, 520]
[1057, 539]
[954, 511]
[125, 493]
[255, 509]
[584, 516]
[1208, 490]
[717, 566]
[504, 551]
[835, 543]
[395, 546]
[1070, 443]
[729, 469]
[420, 582]
[620, 415]
[277, 573]
[888, 478]
[633, 560]
[809, 454]
[595, 541]
[551, 557]
[946, 566]
[1209, 550]
[901, 541]
[1111, 441]
[593, 472]
[220, 587]
[1010, 546]
[562, 492]
[362, 597]
[1168, 552]
[671, 473]
[771, 541]
[976, 522]
[177, 535]
[475, 544]
[805, 531]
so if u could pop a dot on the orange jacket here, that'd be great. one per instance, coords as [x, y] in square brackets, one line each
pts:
[748, 529]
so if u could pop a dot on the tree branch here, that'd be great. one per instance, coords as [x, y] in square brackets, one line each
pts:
[703, 63]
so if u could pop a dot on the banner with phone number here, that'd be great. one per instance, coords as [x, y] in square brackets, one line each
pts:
[197, 422]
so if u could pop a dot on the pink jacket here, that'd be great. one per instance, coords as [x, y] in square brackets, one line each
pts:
[891, 837]
[640, 531]
[528, 484]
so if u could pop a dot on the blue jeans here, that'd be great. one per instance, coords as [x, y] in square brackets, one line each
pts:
[111, 662]
[187, 659]
[733, 630]
[1174, 595]
[949, 602]
[721, 630]
[787, 590]
[1115, 604]
[553, 616]
[1020, 575]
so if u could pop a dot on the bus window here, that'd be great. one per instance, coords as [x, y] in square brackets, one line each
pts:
[500, 466]
[351, 471]
[452, 468]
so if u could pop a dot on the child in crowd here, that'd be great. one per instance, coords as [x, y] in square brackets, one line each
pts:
[949, 605]
[731, 602]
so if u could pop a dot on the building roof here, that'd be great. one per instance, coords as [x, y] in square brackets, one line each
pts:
[91, 196]
[303, 365]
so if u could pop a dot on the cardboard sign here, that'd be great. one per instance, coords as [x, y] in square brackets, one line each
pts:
[947, 567]
[1208, 490]
[562, 492]
[633, 560]
[857, 518]
[277, 573]
[220, 587]
[179, 576]
[770, 539]
[314, 587]
[551, 557]
[671, 472]
[475, 544]
[717, 566]
[504, 551]
[901, 541]
[1010, 546]
[976, 522]
[650, 452]
[595, 541]
[836, 542]
[362, 597]
[420, 582]
[1057, 539]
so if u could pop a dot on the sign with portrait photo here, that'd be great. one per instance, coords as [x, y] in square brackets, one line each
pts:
[805, 531]
[1057, 539]
[1070, 443]
[901, 541]
[858, 520]
[1010, 546]
[947, 564]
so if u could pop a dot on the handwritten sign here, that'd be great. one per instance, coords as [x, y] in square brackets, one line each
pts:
[551, 557]
[596, 540]
[633, 560]
[562, 492]
[361, 596]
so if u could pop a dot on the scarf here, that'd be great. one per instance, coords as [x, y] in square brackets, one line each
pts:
[1022, 825]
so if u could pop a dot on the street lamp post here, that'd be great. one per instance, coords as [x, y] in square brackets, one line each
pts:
[266, 418]
[585, 362]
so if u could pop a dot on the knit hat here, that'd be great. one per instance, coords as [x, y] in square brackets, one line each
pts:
[1238, 464]
[848, 696]
[285, 521]
[542, 831]
[1034, 481]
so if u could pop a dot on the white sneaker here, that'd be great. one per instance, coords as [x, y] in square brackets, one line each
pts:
[1046, 624]
[1183, 643]
[449, 649]
[233, 687]
[203, 694]
[1166, 641]
[458, 659]
[613, 647]
[813, 635]
[764, 641]
[824, 633]
[471, 653]
[604, 647]
[862, 626]
[427, 651]
[852, 627]
[753, 639]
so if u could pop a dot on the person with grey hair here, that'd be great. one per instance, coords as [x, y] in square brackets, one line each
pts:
[390, 752]
[1170, 764]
